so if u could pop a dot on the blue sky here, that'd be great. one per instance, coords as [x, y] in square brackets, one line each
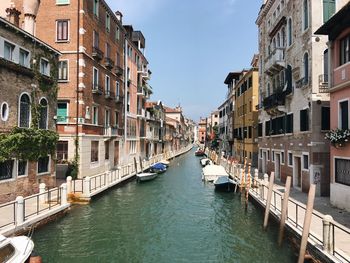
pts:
[192, 45]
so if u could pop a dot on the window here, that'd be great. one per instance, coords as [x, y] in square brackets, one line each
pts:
[23, 57]
[44, 67]
[128, 102]
[305, 14]
[62, 112]
[9, 51]
[306, 68]
[117, 88]
[43, 164]
[268, 155]
[344, 50]
[289, 123]
[95, 79]
[304, 120]
[96, 40]
[108, 51]
[282, 157]
[96, 7]
[62, 150]
[344, 115]
[267, 128]
[107, 150]
[305, 162]
[290, 32]
[108, 85]
[6, 169]
[43, 112]
[108, 22]
[116, 118]
[260, 130]
[290, 159]
[4, 111]
[325, 118]
[94, 151]
[63, 70]
[62, 30]
[273, 156]
[107, 118]
[24, 111]
[342, 168]
[95, 115]
[117, 33]
[62, 2]
[133, 147]
[328, 9]
[22, 167]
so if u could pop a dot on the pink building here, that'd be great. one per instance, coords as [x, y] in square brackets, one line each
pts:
[338, 30]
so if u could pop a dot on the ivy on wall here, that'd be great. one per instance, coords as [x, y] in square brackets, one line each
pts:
[27, 144]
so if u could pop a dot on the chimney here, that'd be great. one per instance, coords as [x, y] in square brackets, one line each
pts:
[13, 15]
[30, 8]
[119, 16]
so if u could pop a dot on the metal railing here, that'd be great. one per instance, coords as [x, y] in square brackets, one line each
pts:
[337, 230]
[35, 204]
[97, 182]
[78, 186]
[8, 209]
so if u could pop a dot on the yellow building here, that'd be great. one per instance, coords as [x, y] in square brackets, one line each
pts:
[245, 131]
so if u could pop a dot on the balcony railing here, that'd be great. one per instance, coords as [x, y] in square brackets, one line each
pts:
[119, 70]
[141, 113]
[109, 94]
[275, 62]
[109, 63]
[97, 53]
[110, 131]
[119, 99]
[323, 83]
[303, 82]
[278, 98]
[97, 89]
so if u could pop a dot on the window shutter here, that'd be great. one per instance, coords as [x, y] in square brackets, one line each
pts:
[328, 9]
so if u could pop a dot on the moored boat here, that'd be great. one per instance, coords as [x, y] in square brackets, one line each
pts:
[224, 183]
[15, 249]
[142, 177]
[165, 162]
[199, 152]
[211, 172]
[158, 168]
[205, 161]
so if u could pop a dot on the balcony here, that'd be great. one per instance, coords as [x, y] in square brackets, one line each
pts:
[109, 63]
[275, 62]
[109, 94]
[141, 113]
[277, 99]
[118, 99]
[97, 89]
[303, 82]
[97, 53]
[323, 83]
[119, 70]
[110, 131]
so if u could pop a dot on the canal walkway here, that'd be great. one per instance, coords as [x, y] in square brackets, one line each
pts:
[24, 212]
[338, 234]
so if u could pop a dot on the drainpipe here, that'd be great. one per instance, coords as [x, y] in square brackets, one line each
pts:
[125, 90]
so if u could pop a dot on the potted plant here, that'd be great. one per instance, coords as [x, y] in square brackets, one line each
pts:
[338, 137]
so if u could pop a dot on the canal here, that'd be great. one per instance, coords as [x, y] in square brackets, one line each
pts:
[175, 218]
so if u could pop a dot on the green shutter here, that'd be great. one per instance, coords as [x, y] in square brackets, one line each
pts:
[328, 9]
[61, 112]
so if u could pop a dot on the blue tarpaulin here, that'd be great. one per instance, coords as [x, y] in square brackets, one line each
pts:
[158, 166]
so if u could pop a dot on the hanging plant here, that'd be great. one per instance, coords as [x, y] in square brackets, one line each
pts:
[338, 137]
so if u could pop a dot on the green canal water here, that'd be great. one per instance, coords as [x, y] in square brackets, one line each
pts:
[174, 218]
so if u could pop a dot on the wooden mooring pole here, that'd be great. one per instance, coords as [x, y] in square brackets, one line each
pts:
[268, 200]
[141, 166]
[307, 222]
[284, 210]
[135, 163]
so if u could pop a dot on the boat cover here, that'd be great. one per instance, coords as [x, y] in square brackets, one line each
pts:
[158, 166]
[214, 170]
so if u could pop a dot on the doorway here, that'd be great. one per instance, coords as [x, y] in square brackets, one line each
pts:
[277, 166]
[297, 172]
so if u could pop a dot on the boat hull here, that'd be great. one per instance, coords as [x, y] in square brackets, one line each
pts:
[143, 177]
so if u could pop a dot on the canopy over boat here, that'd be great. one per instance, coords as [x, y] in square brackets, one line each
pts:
[214, 170]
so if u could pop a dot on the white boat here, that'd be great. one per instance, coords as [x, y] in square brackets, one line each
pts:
[211, 172]
[205, 162]
[142, 177]
[15, 249]
[165, 162]
[224, 183]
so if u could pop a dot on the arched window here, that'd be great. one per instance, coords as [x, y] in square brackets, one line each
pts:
[278, 44]
[290, 32]
[305, 14]
[268, 90]
[43, 114]
[24, 111]
[283, 37]
[306, 68]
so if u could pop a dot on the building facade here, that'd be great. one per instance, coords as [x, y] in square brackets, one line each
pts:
[338, 83]
[246, 116]
[291, 99]
[28, 97]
